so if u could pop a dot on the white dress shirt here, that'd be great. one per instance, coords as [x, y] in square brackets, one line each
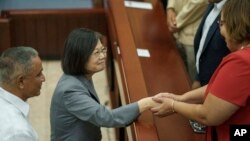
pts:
[14, 125]
[208, 23]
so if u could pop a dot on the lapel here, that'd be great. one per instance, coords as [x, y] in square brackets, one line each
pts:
[198, 34]
[211, 32]
[209, 9]
[90, 86]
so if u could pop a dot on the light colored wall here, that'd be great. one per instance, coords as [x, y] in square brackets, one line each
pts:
[44, 4]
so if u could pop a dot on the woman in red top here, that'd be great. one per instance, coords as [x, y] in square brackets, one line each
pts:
[225, 100]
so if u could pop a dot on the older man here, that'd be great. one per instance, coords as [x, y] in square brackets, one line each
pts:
[21, 77]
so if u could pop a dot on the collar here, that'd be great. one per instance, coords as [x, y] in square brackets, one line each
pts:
[219, 5]
[16, 101]
[90, 86]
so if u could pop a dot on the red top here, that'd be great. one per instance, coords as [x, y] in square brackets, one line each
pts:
[231, 82]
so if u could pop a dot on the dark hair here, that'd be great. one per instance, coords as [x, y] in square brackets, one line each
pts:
[78, 47]
[237, 19]
[16, 61]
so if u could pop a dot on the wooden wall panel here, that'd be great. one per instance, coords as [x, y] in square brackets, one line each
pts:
[46, 30]
[30, 32]
[52, 31]
[17, 31]
[42, 35]
[4, 34]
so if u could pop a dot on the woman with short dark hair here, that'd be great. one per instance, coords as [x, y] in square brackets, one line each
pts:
[76, 113]
[78, 48]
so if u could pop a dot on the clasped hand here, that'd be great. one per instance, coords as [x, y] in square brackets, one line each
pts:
[165, 105]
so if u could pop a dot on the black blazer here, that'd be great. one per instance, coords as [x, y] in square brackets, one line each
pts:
[214, 49]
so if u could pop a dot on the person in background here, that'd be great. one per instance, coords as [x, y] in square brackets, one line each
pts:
[183, 18]
[209, 45]
[226, 99]
[21, 78]
[76, 113]
[210, 48]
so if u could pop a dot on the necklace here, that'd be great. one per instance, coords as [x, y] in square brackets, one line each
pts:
[244, 46]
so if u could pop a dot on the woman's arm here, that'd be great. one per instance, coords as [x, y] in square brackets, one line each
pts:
[193, 96]
[213, 111]
[167, 100]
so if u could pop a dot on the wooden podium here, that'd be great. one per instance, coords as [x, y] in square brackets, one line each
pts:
[133, 76]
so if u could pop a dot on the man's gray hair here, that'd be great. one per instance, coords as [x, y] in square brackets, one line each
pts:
[14, 62]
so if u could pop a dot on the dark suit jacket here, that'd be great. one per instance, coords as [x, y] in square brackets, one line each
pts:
[77, 115]
[214, 49]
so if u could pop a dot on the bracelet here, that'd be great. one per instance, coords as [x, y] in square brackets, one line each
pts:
[173, 106]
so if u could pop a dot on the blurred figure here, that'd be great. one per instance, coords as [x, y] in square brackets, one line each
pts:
[209, 45]
[183, 18]
[21, 77]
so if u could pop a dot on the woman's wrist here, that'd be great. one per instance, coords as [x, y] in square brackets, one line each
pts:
[172, 106]
[145, 104]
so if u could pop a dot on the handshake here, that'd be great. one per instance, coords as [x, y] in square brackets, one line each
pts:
[160, 105]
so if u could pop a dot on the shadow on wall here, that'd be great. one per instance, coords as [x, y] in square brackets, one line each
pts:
[44, 4]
